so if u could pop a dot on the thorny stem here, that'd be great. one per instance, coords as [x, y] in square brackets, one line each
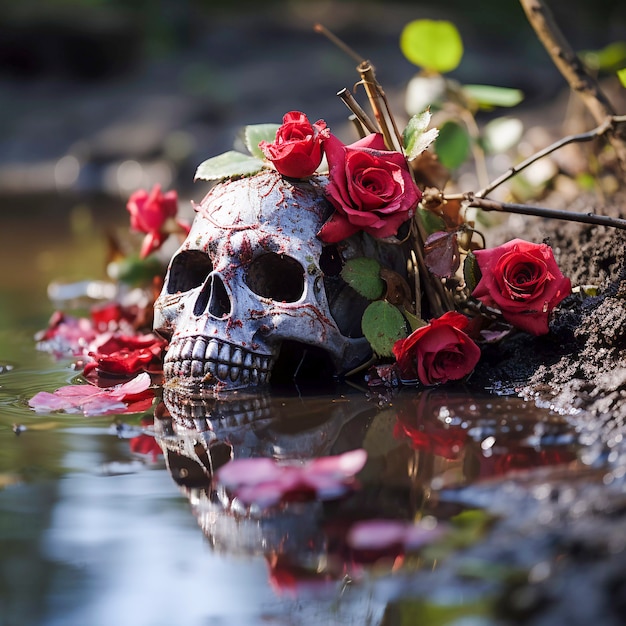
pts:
[607, 125]
[573, 70]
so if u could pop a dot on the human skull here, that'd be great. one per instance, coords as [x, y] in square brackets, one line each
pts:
[252, 286]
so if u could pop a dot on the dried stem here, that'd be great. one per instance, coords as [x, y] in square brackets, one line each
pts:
[573, 70]
[606, 126]
[378, 102]
[437, 295]
[320, 28]
[477, 150]
[523, 209]
[359, 113]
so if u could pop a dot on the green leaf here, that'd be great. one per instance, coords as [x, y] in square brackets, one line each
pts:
[414, 321]
[363, 275]
[410, 611]
[621, 74]
[415, 136]
[435, 45]
[488, 96]
[471, 271]
[431, 222]
[383, 325]
[135, 271]
[255, 133]
[231, 164]
[453, 145]
[607, 59]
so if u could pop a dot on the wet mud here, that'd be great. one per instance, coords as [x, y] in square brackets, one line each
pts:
[569, 526]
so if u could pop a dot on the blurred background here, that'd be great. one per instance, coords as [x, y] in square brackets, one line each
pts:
[101, 97]
[104, 96]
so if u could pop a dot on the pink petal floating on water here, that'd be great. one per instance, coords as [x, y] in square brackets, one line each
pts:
[135, 386]
[377, 534]
[45, 401]
[250, 472]
[264, 482]
[92, 400]
[381, 535]
[346, 464]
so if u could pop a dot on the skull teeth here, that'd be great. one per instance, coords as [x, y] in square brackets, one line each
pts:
[211, 361]
[233, 414]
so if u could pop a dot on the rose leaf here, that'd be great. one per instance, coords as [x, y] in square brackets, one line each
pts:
[415, 136]
[414, 321]
[363, 275]
[383, 325]
[452, 145]
[434, 45]
[431, 221]
[255, 133]
[441, 254]
[230, 164]
[471, 271]
[488, 96]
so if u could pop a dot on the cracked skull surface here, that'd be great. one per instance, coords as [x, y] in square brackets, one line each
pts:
[253, 293]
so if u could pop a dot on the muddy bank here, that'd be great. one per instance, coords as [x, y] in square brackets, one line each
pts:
[581, 364]
[569, 526]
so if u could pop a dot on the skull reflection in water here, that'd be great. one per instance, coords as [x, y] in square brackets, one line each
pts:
[253, 292]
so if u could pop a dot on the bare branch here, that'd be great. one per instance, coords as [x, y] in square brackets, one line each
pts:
[573, 70]
[523, 209]
[606, 126]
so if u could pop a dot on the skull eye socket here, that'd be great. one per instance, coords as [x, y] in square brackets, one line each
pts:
[188, 270]
[276, 276]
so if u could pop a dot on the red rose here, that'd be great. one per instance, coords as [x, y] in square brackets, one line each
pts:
[438, 352]
[297, 150]
[150, 212]
[370, 187]
[523, 280]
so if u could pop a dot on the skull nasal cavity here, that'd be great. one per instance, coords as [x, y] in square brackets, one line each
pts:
[213, 298]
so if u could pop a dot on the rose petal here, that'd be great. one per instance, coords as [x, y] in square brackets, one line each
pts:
[376, 534]
[346, 464]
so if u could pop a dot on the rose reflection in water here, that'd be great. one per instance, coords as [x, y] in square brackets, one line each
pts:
[418, 444]
[462, 438]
